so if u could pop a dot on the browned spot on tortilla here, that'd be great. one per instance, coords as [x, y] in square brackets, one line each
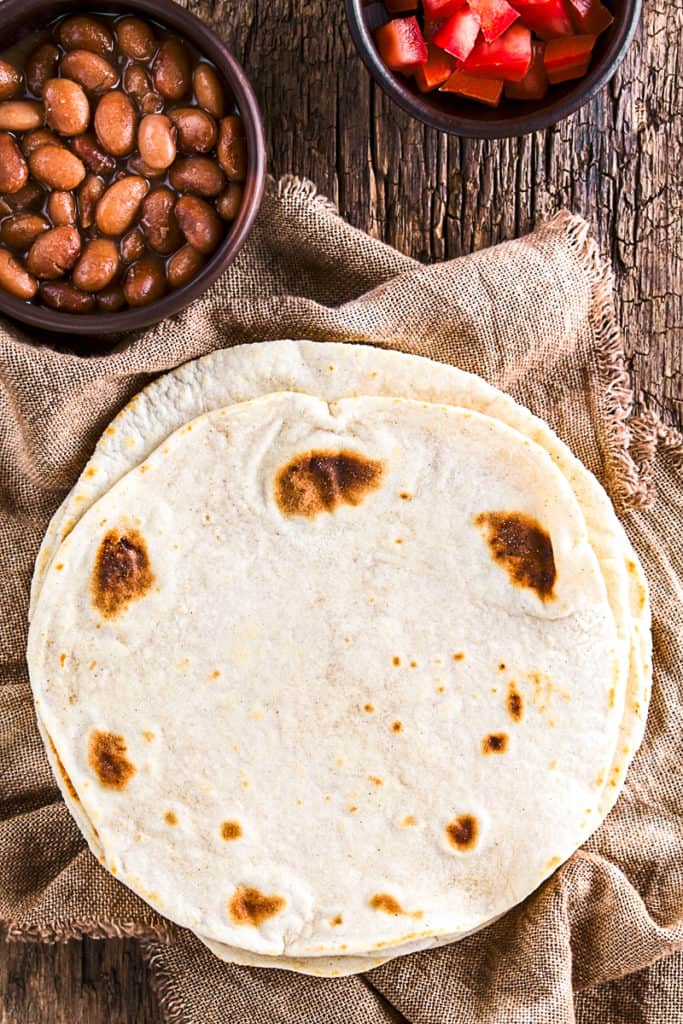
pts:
[62, 658]
[396, 726]
[610, 697]
[369, 708]
[110, 431]
[502, 666]
[113, 869]
[494, 743]
[59, 566]
[408, 821]
[405, 496]
[321, 481]
[523, 548]
[68, 784]
[375, 780]
[413, 664]
[458, 656]
[398, 540]
[149, 736]
[171, 818]
[514, 703]
[215, 674]
[463, 832]
[352, 809]
[107, 758]
[441, 689]
[600, 779]
[552, 863]
[90, 472]
[388, 905]
[92, 665]
[396, 660]
[336, 920]
[553, 764]
[122, 572]
[231, 830]
[249, 906]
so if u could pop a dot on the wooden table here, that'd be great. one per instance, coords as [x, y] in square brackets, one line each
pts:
[618, 162]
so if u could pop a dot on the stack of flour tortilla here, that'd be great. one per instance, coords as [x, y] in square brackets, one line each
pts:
[337, 653]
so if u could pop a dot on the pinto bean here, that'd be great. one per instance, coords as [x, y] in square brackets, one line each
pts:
[61, 208]
[229, 202]
[159, 221]
[135, 38]
[232, 148]
[98, 265]
[19, 230]
[90, 70]
[199, 223]
[184, 265]
[13, 167]
[111, 299]
[41, 65]
[138, 84]
[63, 296]
[54, 252]
[93, 156]
[82, 32]
[171, 70]
[145, 282]
[56, 167]
[14, 278]
[21, 115]
[115, 121]
[197, 130]
[156, 141]
[209, 90]
[118, 207]
[10, 80]
[67, 110]
[198, 175]
[132, 246]
[29, 197]
[89, 194]
[37, 138]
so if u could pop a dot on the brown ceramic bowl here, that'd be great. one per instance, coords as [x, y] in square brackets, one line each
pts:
[459, 116]
[21, 17]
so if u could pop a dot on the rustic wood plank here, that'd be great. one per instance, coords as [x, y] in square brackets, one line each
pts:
[618, 162]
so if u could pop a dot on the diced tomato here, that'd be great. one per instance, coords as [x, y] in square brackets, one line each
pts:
[547, 18]
[401, 6]
[485, 90]
[590, 17]
[434, 73]
[401, 45]
[564, 58]
[534, 85]
[435, 9]
[508, 57]
[458, 34]
[495, 17]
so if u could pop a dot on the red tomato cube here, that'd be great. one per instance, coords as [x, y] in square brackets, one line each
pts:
[458, 34]
[567, 57]
[401, 6]
[401, 45]
[485, 90]
[435, 9]
[495, 16]
[547, 18]
[534, 85]
[590, 17]
[434, 73]
[508, 57]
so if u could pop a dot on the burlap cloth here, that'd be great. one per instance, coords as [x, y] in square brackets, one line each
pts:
[533, 316]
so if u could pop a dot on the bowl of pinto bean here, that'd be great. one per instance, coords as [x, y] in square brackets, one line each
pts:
[132, 162]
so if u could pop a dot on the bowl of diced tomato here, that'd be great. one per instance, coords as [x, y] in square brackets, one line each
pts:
[492, 68]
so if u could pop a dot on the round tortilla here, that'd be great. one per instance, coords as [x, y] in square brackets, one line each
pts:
[64, 619]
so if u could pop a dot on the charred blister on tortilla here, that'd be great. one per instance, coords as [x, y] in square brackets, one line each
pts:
[514, 703]
[122, 572]
[495, 743]
[386, 903]
[463, 832]
[521, 546]
[321, 481]
[231, 830]
[249, 906]
[107, 757]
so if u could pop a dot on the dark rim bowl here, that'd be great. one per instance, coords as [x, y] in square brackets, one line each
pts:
[20, 17]
[457, 116]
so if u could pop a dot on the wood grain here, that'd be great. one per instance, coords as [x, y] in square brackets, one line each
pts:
[618, 162]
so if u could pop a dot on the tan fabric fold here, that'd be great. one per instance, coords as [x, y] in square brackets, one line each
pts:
[534, 317]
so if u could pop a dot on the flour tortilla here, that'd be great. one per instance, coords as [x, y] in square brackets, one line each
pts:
[221, 376]
[243, 454]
